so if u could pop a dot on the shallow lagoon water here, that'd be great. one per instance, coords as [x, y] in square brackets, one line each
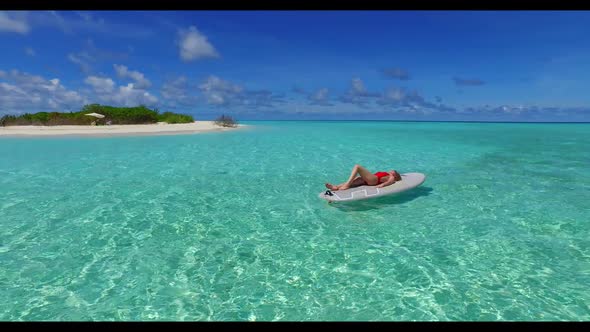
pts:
[228, 226]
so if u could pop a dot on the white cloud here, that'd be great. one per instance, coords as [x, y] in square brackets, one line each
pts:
[23, 92]
[13, 97]
[320, 97]
[358, 86]
[193, 45]
[130, 95]
[175, 89]
[400, 98]
[85, 16]
[14, 22]
[214, 83]
[82, 59]
[31, 92]
[140, 81]
[321, 94]
[101, 84]
[358, 94]
[220, 92]
[177, 92]
[92, 54]
[29, 51]
[60, 21]
[394, 95]
[126, 95]
[78, 22]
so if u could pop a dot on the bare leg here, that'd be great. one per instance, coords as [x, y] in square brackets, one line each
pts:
[355, 183]
[368, 177]
[365, 174]
[359, 181]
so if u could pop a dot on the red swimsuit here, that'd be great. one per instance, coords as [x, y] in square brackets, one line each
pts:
[379, 175]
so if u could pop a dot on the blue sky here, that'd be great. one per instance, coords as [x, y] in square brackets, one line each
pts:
[407, 65]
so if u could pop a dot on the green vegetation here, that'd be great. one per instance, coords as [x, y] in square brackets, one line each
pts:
[170, 117]
[113, 115]
[226, 121]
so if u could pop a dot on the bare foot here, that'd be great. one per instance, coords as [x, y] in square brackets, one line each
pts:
[331, 187]
[344, 187]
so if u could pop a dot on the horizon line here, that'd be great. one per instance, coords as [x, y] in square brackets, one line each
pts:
[388, 120]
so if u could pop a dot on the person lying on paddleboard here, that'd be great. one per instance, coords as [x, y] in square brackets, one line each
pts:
[379, 179]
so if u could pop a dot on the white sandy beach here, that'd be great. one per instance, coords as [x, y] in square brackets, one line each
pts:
[115, 130]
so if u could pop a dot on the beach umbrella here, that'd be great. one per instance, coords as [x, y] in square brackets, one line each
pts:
[96, 115]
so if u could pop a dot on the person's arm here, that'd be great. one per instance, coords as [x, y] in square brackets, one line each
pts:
[389, 181]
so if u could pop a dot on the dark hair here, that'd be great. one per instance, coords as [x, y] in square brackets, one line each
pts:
[397, 176]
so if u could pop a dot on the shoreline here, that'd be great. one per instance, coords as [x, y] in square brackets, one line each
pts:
[196, 127]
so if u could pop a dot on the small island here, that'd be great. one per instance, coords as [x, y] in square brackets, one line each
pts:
[102, 120]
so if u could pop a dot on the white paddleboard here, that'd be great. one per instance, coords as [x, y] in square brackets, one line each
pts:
[408, 181]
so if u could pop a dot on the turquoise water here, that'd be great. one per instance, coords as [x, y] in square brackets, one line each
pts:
[228, 226]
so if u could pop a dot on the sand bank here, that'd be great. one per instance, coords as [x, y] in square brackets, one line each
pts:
[115, 130]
